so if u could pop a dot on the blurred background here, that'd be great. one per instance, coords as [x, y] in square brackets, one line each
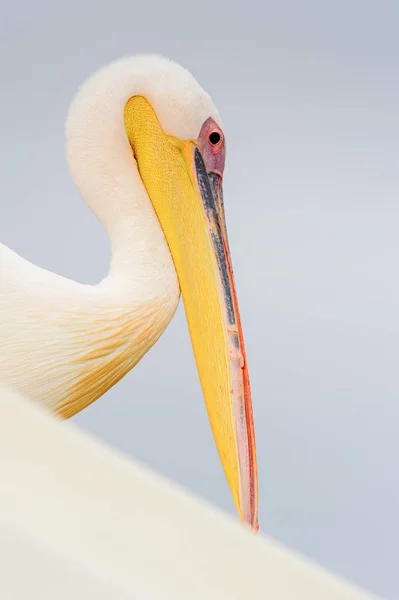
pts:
[309, 95]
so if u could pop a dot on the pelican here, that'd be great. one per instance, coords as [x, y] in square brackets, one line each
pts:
[146, 149]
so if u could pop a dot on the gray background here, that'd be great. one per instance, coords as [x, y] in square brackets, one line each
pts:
[309, 95]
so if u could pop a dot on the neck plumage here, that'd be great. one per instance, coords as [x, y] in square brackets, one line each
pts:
[140, 295]
[104, 169]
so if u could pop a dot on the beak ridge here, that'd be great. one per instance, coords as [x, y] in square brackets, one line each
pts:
[210, 186]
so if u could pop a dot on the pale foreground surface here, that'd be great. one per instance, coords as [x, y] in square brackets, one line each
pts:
[79, 520]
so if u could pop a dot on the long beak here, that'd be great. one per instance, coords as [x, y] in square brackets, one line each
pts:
[238, 398]
[188, 203]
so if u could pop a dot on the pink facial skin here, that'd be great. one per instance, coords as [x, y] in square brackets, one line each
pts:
[212, 146]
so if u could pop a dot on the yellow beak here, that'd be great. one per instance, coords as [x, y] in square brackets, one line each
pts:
[190, 212]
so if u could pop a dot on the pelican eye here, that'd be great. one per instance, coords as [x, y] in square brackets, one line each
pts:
[215, 138]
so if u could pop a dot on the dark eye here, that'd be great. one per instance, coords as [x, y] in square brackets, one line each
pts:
[214, 138]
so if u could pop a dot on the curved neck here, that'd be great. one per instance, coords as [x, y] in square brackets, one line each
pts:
[104, 169]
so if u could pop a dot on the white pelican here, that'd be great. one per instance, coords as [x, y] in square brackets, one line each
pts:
[146, 150]
[77, 519]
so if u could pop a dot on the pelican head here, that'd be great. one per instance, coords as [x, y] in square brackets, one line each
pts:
[146, 148]
[165, 128]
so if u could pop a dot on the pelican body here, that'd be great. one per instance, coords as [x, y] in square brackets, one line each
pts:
[146, 149]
